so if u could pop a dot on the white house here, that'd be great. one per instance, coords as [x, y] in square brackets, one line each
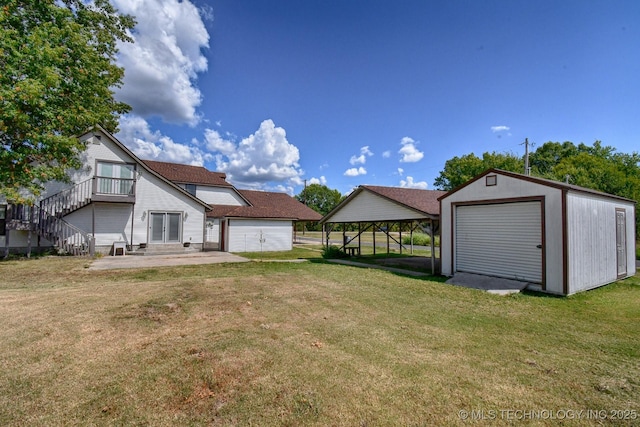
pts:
[117, 202]
[558, 237]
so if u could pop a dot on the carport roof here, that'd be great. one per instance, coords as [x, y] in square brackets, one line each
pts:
[422, 201]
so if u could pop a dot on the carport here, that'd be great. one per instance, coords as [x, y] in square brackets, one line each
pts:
[378, 209]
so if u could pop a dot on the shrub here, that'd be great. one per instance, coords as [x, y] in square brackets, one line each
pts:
[419, 239]
[333, 252]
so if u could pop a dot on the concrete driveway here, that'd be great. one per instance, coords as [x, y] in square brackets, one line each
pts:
[148, 261]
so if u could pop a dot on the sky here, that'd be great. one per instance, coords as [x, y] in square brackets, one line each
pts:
[276, 93]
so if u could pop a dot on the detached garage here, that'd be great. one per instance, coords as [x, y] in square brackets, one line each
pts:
[559, 238]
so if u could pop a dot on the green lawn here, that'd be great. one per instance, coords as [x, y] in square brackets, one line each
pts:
[272, 343]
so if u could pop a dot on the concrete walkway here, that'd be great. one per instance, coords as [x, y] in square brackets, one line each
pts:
[137, 261]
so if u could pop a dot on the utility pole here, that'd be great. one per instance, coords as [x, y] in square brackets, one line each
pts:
[527, 169]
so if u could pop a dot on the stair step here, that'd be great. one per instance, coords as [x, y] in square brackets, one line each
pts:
[164, 249]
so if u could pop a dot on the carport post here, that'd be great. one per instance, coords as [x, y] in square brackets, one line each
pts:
[388, 243]
[433, 248]
[374, 238]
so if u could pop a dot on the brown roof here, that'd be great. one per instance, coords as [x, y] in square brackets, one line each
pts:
[423, 200]
[186, 174]
[265, 204]
[542, 181]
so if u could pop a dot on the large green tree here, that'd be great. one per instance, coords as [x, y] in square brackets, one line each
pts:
[57, 74]
[320, 198]
[459, 170]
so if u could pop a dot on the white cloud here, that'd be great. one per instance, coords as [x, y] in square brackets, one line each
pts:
[400, 171]
[152, 145]
[410, 154]
[260, 158]
[410, 183]
[214, 142]
[283, 189]
[362, 158]
[495, 129]
[322, 180]
[162, 65]
[355, 171]
[386, 154]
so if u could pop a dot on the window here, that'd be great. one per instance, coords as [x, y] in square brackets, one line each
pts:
[491, 180]
[191, 189]
[115, 178]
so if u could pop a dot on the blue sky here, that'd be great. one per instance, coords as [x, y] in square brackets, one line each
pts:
[374, 92]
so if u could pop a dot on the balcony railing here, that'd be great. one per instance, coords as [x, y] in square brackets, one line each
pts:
[114, 186]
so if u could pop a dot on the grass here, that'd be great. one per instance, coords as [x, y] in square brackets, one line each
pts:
[302, 344]
[298, 252]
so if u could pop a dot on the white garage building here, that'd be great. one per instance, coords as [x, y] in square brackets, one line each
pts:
[560, 238]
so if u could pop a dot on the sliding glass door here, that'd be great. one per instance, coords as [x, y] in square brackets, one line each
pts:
[165, 227]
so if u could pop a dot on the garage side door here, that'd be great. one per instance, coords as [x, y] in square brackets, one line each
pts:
[501, 240]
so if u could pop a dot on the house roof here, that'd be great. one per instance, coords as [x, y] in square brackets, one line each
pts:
[187, 174]
[265, 204]
[537, 180]
[422, 201]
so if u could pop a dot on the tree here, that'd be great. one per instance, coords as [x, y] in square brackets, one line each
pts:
[597, 167]
[320, 198]
[57, 74]
[459, 170]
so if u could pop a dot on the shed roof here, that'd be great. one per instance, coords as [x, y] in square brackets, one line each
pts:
[188, 174]
[421, 201]
[536, 180]
[265, 204]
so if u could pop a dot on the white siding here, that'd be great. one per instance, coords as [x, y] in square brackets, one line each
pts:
[500, 240]
[154, 195]
[112, 222]
[244, 235]
[213, 230]
[219, 196]
[591, 225]
[369, 207]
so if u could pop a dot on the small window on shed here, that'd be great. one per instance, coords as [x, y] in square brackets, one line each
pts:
[191, 189]
[491, 180]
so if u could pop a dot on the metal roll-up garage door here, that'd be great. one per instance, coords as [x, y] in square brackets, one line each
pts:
[503, 240]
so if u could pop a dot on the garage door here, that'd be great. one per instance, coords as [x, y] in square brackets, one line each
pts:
[501, 240]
